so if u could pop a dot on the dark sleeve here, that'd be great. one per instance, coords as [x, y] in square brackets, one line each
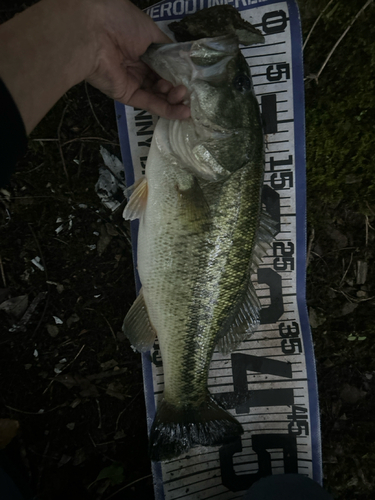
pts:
[13, 138]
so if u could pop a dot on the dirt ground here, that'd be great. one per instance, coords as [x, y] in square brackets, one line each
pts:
[68, 375]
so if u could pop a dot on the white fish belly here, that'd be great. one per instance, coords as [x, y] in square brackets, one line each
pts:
[168, 266]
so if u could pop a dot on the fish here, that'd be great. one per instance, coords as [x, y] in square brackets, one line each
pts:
[201, 235]
[216, 21]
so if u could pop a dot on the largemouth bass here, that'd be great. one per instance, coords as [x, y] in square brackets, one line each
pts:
[200, 236]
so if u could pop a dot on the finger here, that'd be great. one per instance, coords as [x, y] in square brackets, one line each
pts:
[158, 105]
[160, 37]
[177, 94]
[161, 86]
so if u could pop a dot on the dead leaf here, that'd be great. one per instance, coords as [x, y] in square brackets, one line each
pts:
[340, 239]
[64, 460]
[79, 457]
[111, 230]
[116, 390]
[351, 394]
[361, 275]
[104, 240]
[120, 434]
[15, 306]
[347, 308]
[90, 392]
[74, 318]
[8, 430]
[315, 318]
[52, 330]
[108, 364]
[87, 388]
[4, 294]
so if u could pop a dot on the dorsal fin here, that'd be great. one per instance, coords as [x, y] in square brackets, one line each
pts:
[266, 233]
[244, 322]
[246, 316]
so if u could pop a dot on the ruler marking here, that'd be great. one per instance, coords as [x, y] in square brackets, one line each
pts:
[264, 45]
[265, 55]
[291, 381]
[195, 491]
[276, 92]
[277, 151]
[191, 474]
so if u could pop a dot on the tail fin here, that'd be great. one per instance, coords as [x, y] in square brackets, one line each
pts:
[176, 430]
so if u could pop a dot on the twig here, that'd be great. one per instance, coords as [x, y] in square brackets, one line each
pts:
[21, 326]
[90, 139]
[93, 112]
[2, 272]
[105, 319]
[64, 368]
[83, 139]
[370, 209]
[341, 37]
[46, 275]
[61, 241]
[34, 412]
[80, 160]
[75, 357]
[367, 226]
[45, 140]
[308, 253]
[316, 22]
[351, 299]
[126, 407]
[40, 250]
[35, 168]
[59, 139]
[100, 414]
[41, 465]
[346, 272]
[128, 485]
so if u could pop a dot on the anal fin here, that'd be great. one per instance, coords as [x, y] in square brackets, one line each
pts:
[137, 326]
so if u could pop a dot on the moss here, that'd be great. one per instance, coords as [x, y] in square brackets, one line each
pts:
[339, 110]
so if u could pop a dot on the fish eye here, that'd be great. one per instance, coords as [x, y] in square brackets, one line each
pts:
[242, 83]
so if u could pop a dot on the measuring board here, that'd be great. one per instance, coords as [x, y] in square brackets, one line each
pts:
[275, 367]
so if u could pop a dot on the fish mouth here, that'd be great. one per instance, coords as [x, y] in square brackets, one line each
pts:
[214, 129]
[205, 125]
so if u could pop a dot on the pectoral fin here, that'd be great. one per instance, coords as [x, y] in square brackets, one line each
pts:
[193, 205]
[137, 326]
[137, 201]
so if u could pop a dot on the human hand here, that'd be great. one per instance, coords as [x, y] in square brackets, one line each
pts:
[121, 33]
[55, 44]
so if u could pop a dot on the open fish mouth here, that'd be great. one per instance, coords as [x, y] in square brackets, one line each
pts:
[214, 129]
[181, 63]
